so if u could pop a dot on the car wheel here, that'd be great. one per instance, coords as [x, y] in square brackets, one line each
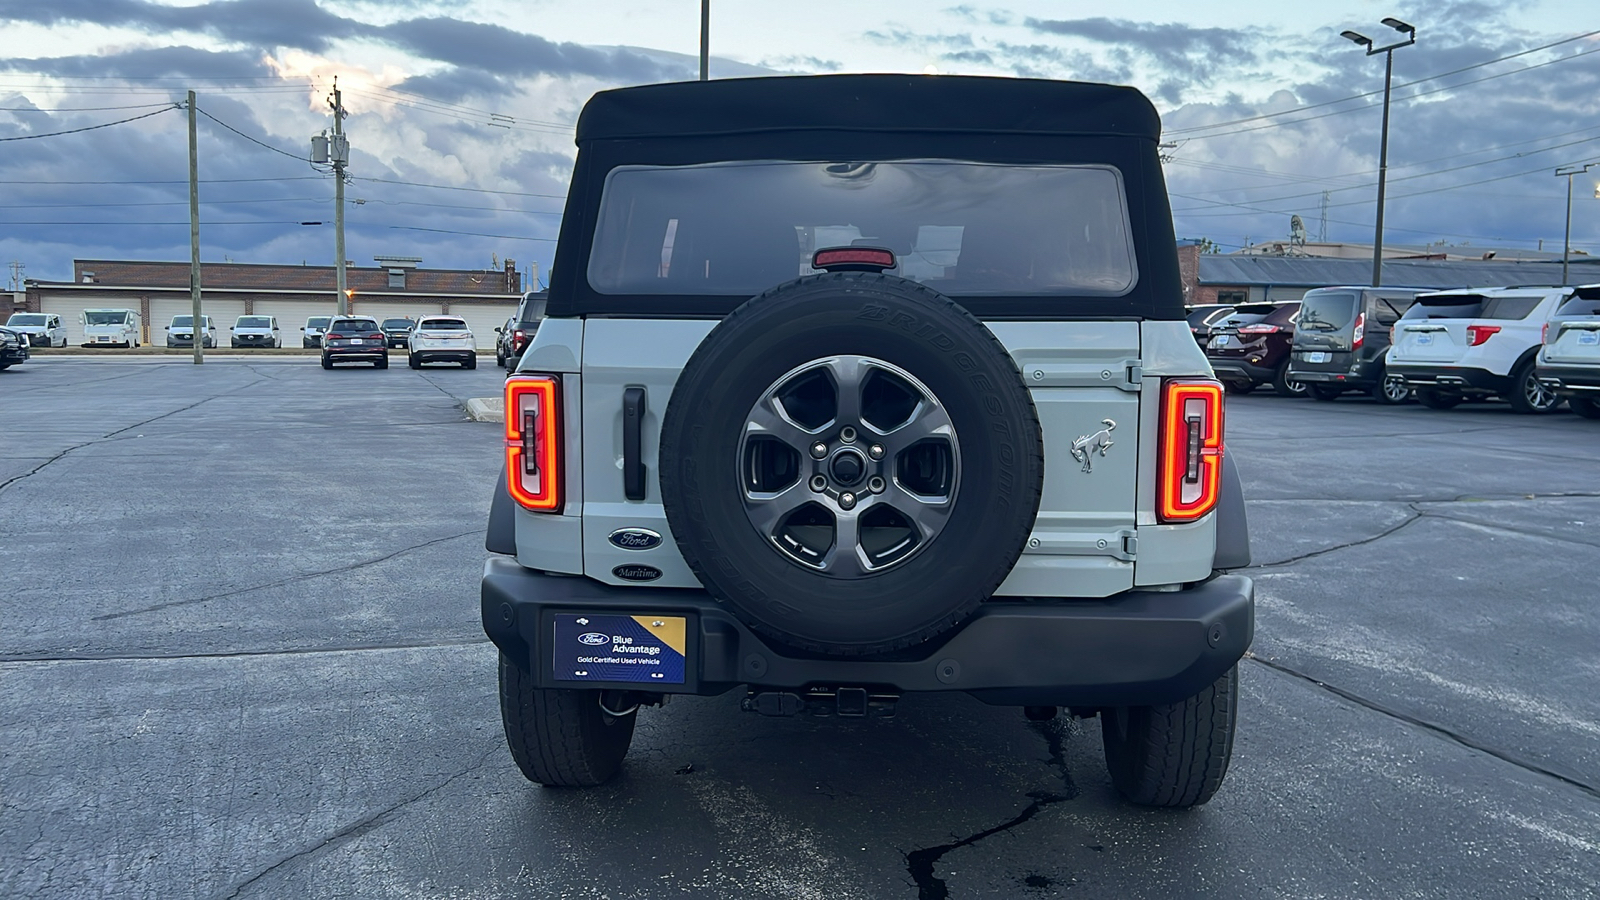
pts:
[1283, 386]
[382, 363]
[1391, 390]
[824, 553]
[470, 363]
[1326, 392]
[561, 738]
[1173, 755]
[327, 363]
[1528, 394]
[1585, 407]
[1238, 387]
[412, 362]
[1434, 399]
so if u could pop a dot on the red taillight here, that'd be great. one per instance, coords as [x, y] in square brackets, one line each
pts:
[1544, 334]
[335, 336]
[1191, 449]
[1477, 334]
[1259, 329]
[1360, 332]
[376, 337]
[533, 441]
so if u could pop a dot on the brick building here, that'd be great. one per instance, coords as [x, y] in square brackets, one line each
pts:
[396, 286]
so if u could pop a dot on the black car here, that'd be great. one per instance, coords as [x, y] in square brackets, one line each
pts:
[354, 339]
[397, 332]
[1204, 317]
[518, 332]
[1342, 337]
[13, 348]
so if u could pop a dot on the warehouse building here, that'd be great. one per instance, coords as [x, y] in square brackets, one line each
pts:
[396, 286]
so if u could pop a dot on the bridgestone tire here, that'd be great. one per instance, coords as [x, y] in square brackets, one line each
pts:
[1438, 399]
[1325, 392]
[560, 738]
[1173, 755]
[935, 340]
[1585, 407]
[1283, 386]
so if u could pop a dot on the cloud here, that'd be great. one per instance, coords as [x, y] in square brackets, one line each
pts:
[1182, 50]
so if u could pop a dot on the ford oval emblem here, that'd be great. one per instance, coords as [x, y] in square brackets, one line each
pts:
[593, 638]
[636, 573]
[635, 539]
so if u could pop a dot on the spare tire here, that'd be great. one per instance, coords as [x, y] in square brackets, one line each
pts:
[851, 463]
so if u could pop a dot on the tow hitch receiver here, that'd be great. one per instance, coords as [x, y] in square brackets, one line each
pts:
[853, 702]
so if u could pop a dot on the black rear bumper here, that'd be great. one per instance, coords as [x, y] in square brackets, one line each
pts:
[1571, 381]
[1461, 379]
[1138, 648]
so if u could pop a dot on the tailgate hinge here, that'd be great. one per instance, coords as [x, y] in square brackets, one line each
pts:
[1129, 545]
[1134, 376]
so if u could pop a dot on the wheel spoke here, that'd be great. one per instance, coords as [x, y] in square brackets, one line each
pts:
[849, 373]
[767, 418]
[768, 509]
[845, 559]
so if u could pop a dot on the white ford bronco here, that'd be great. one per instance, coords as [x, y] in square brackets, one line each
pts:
[853, 386]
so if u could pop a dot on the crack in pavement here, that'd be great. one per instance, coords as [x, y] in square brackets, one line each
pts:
[1511, 529]
[920, 863]
[108, 436]
[281, 582]
[361, 827]
[1430, 727]
[238, 654]
[1416, 514]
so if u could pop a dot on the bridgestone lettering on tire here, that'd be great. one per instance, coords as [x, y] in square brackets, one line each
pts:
[926, 346]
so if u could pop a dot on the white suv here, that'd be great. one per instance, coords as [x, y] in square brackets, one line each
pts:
[1457, 345]
[1569, 361]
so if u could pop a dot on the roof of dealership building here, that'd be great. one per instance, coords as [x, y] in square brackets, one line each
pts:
[1236, 270]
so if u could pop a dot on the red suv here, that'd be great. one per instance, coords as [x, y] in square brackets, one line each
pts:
[1251, 347]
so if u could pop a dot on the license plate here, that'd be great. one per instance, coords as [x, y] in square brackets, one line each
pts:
[634, 649]
[355, 340]
[1220, 341]
[1317, 356]
[1589, 338]
[1424, 340]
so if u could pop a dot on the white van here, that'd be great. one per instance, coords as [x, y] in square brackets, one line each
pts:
[42, 329]
[110, 327]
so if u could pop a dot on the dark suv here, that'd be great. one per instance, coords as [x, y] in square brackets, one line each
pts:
[1203, 317]
[397, 332]
[784, 430]
[1250, 347]
[354, 339]
[1341, 338]
[515, 336]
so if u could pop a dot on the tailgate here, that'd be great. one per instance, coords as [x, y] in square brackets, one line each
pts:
[1576, 342]
[1436, 340]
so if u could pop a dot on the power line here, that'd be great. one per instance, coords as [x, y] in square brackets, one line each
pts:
[184, 223]
[164, 203]
[183, 181]
[509, 237]
[499, 209]
[78, 108]
[249, 138]
[451, 187]
[29, 137]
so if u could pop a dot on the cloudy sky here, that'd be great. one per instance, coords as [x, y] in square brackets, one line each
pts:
[461, 111]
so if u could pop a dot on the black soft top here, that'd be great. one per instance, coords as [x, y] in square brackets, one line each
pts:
[878, 103]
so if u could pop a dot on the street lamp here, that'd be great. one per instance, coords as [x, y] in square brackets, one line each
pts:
[1410, 31]
[1566, 245]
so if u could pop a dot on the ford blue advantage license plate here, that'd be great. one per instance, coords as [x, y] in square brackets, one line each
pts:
[640, 649]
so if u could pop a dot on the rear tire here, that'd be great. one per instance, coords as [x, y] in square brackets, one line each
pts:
[1528, 395]
[382, 363]
[1585, 407]
[560, 738]
[1173, 755]
[327, 363]
[1283, 386]
[1391, 390]
[1438, 399]
[1238, 387]
[413, 363]
[1325, 392]
[470, 364]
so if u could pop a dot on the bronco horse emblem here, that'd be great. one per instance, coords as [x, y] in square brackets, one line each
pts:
[1084, 448]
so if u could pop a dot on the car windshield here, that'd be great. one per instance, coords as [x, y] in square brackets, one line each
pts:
[963, 228]
[442, 325]
[362, 325]
[255, 322]
[396, 323]
[106, 317]
[1332, 311]
[26, 319]
[186, 321]
[318, 321]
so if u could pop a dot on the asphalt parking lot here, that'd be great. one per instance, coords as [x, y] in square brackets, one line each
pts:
[242, 658]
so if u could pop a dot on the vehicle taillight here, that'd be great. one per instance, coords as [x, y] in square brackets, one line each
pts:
[533, 441]
[1360, 332]
[1477, 334]
[1544, 334]
[376, 337]
[1258, 329]
[333, 336]
[1191, 449]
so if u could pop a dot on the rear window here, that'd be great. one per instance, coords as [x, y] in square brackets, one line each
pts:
[962, 228]
[1284, 315]
[1510, 307]
[1446, 306]
[1333, 311]
[533, 311]
[1207, 315]
[1577, 306]
[442, 325]
[397, 323]
[353, 325]
[1387, 310]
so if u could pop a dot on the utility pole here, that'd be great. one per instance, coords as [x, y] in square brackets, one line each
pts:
[1566, 243]
[339, 155]
[198, 321]
[705, 40]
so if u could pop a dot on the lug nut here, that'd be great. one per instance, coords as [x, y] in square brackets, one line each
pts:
[818, 483]
[819, 450]
[847, 500]
[847, 434]
[875, 484]
[875, 451]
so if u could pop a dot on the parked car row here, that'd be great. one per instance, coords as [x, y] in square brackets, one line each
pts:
[517, 333]
[1533, 346]
[431, 339]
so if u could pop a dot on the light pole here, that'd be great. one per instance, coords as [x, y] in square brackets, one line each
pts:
[705, 40]
[1566, 245]
[1383, 146]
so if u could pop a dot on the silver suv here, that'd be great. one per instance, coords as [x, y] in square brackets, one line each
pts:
[854, 386]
